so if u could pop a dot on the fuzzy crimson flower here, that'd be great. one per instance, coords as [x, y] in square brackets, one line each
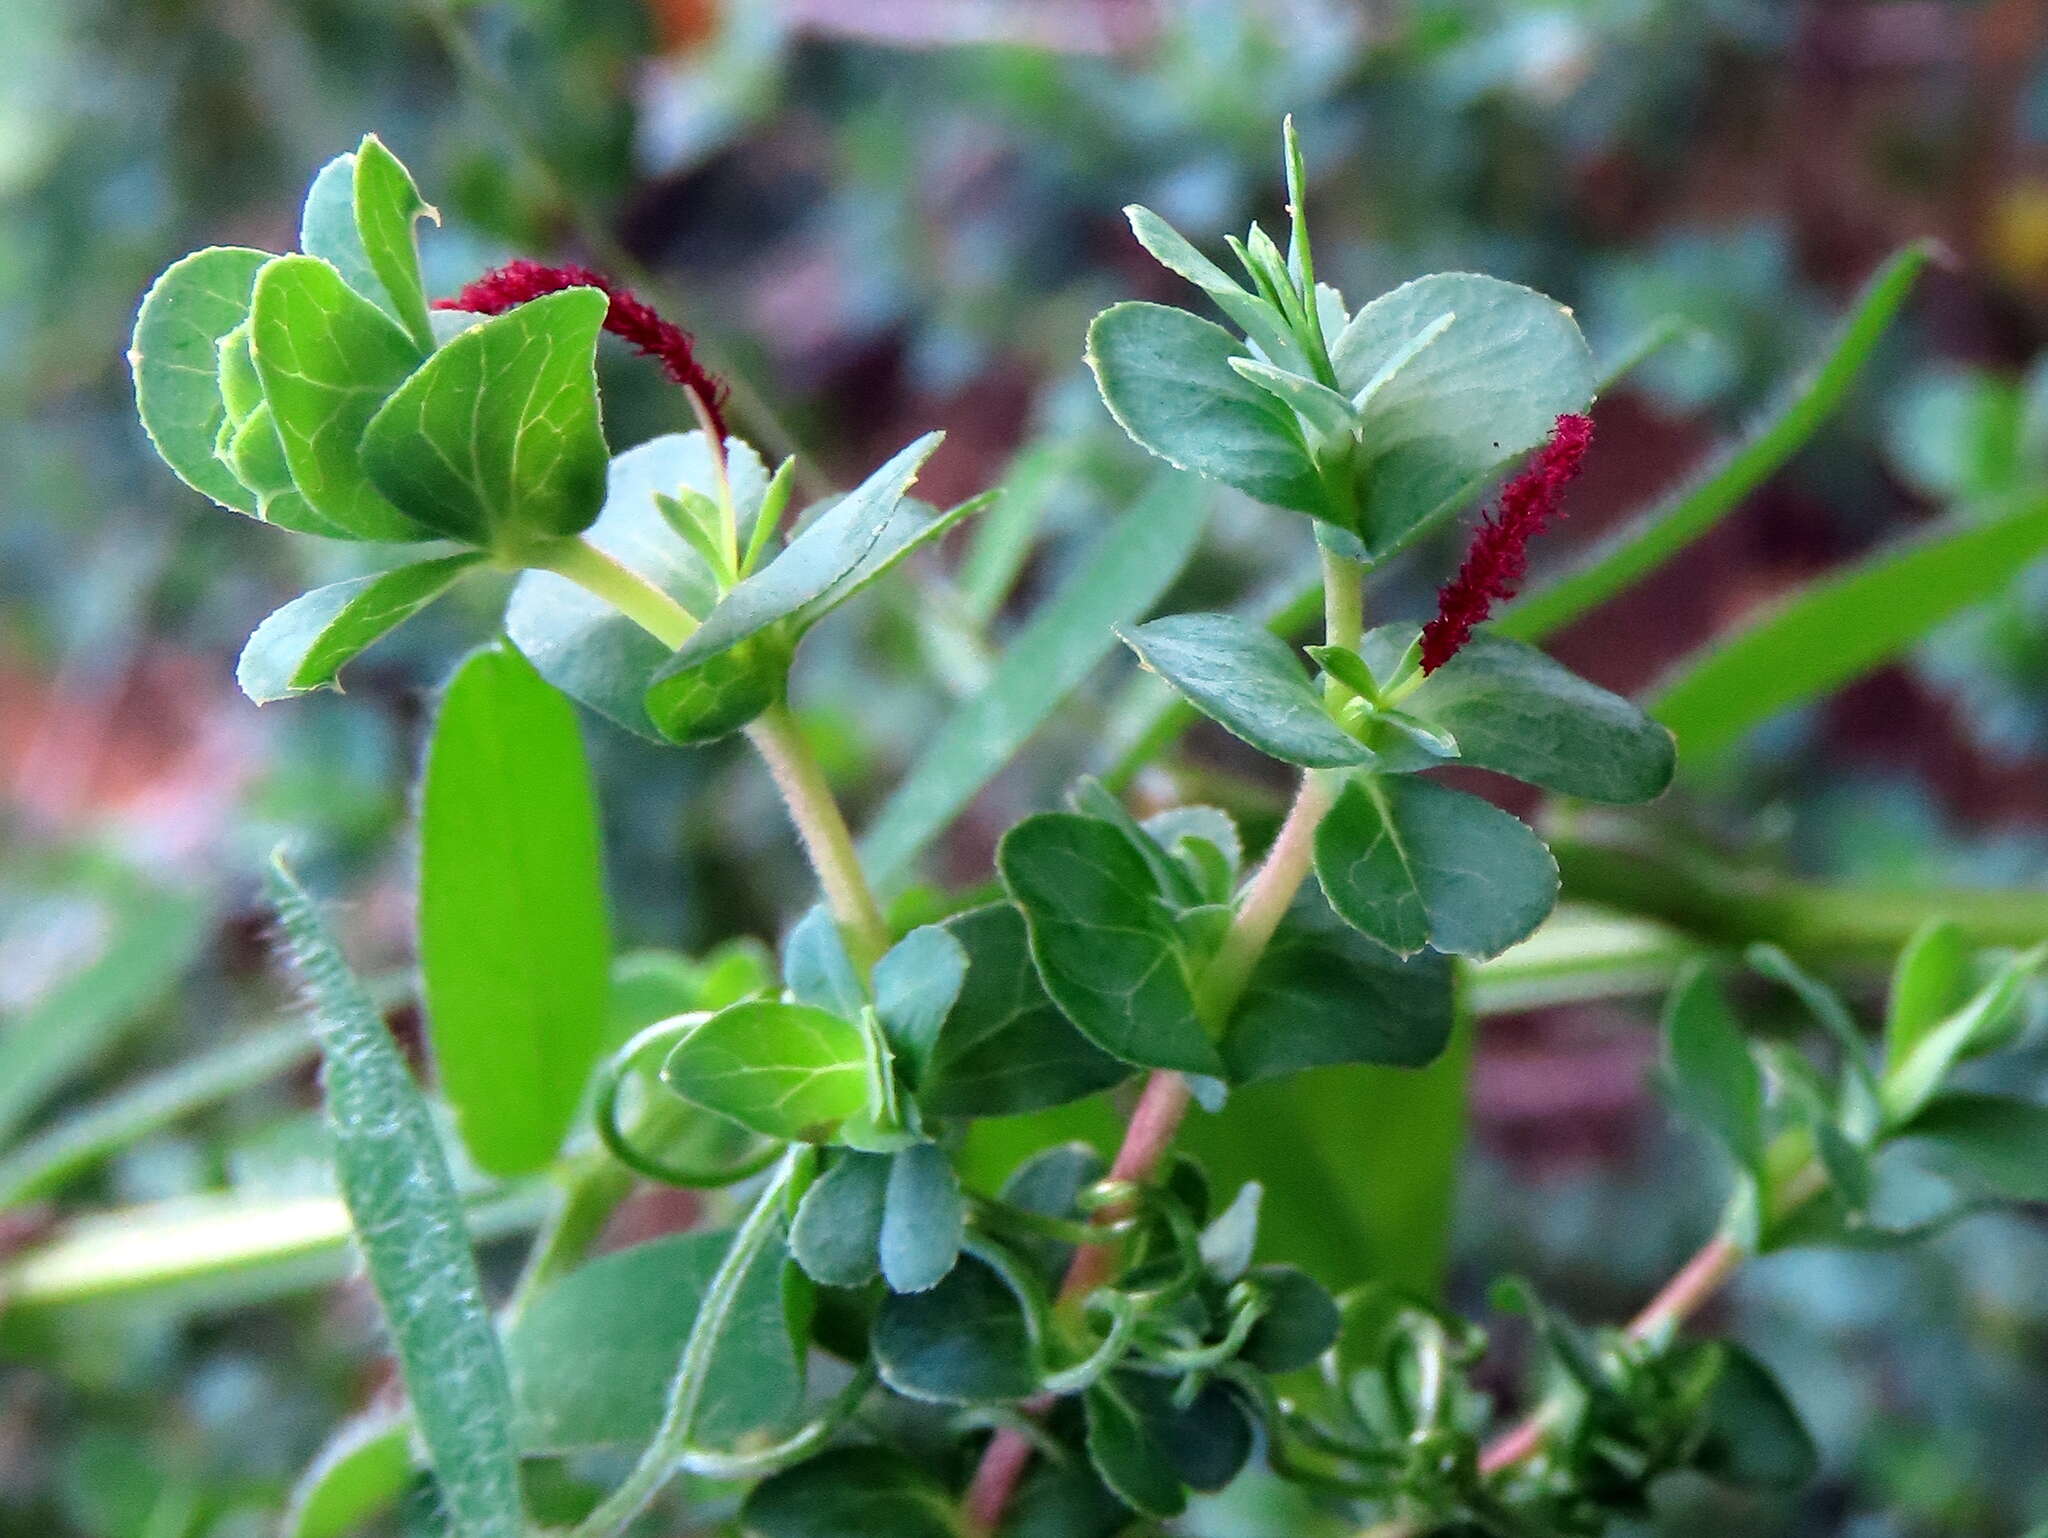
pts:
[1498, 558]
[505, 288]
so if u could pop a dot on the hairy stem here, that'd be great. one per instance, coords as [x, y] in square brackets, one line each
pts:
[826, 838]
[671, 1443]
[624, 589]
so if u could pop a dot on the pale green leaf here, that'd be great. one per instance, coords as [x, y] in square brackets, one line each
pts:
[784, 1070]
[176, 362]
[304, 645]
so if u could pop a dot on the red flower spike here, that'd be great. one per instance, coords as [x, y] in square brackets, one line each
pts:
[1498, 558]
[505, 288]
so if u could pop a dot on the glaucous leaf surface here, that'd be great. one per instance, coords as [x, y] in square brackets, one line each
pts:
[1249, 313]
[1005, 1048]
[963, 1342]
[916, 985]
[1410, 862]
[1166, 377]
[514, 945]
[329, 359]
[580, 643]
[1248, 680]
[1486, 390]
[816, 968]
[1325, 994]
[1106, 946]
[409, 1224]
[847, 1491]
[592, 1355]
[923, 1221]
[837, 1233]
[784, 1070]
[496, 439]
[359, 215]
[176, 362]
[305, 644]
[1513, 710]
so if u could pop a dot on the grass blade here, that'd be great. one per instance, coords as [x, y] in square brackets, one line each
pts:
[408, 1220]
[1844, 624]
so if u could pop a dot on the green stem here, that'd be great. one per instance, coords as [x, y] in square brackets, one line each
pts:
[826, 838]
[592, 1189]
[623, 588]
[671, 1443]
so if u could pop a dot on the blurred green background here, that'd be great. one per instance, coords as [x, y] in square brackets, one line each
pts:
[888, 215]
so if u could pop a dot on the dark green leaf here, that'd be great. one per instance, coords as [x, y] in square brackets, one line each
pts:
[514, 953]
[838, 1228]
[1323, 994]
[176, 361]
[784, 1070]
[409, 1223]
[1300, 1323]
[851, 1492]
[1407, 861]
[965, 1341]
[329, 359]
[581, 644]
[1841, 626]
[924, 1220]
[1105, 945]
[1991, 1143]
[1515, 711]
[1166, 377]
[1119, 579]
[1050, 1184]
[1005, 1048]
[718, 696]
[1484, 391]
[916, 985]
[1708, 1070]
[304, 645]
[496, 440]
[1130, 1451]
[1754, 1435]
[592, 1355]
[1250, 681]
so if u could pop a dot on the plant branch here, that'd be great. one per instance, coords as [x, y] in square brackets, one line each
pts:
[822, 828]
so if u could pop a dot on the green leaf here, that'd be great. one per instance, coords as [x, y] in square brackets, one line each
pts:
[916, 985]
[255, 453]
[1166, 377]
[720, 695]
[306, 643]
[329, 360]
[1984, 1022]
[1754, 1436]
[592, 1355]
[817, 568]
[1515, 711]
[584, 646]
[1485, 391]
[1330, 415]
[1407, 861]
[1105, 944]
[1257, 319]
[817, 969]
[1930, 982]
[1843, 625]
[923, 1221]
[837, 1234]
[1004, 1047]
[1132, 1452]
[359, 215]
[1709, 1073]
[783, 1070]
[175, 358]
[363, 1469]
[1227, 1242]
[851, 1491]
[496, 440]
[1300, 1323]
[1993, 1144]
[1249, 681]
[1728, 478]
[966, 1341]
[1324, 994]
[514, 953]
[408, 1221]
[1120, 578]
